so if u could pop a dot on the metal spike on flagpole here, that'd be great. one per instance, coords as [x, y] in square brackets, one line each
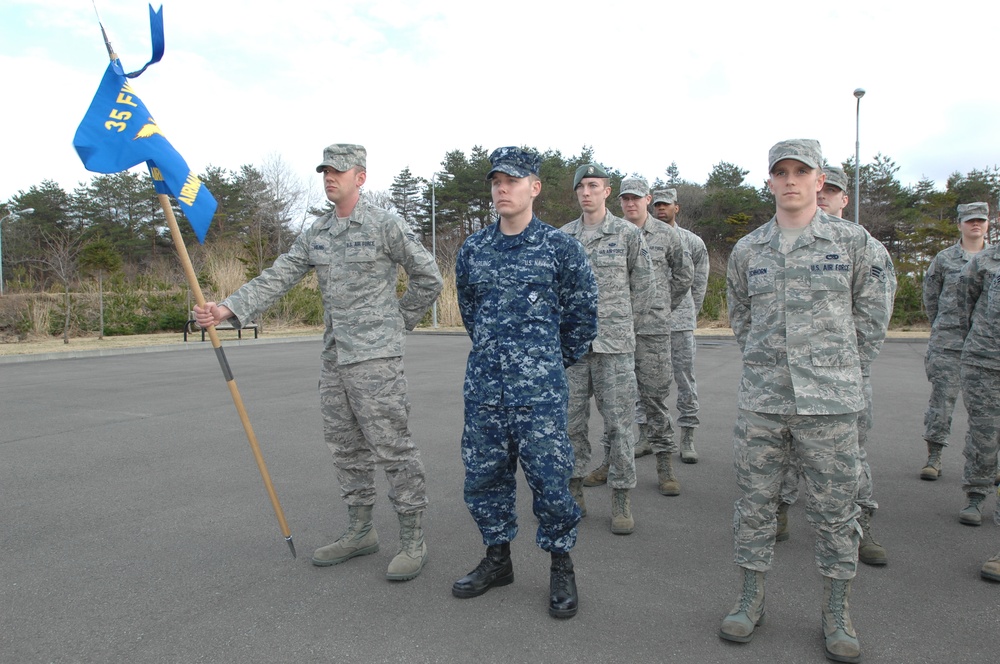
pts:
[107, 42]
[192, 278]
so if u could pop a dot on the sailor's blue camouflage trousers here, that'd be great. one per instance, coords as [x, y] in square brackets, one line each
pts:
[493, 440]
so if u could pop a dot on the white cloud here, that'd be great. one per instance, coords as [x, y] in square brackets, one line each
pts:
[696, 84]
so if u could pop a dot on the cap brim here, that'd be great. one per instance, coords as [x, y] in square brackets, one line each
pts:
[794, 157]
[513, 171]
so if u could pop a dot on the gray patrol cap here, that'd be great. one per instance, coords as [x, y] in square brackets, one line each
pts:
[514, 161]
[634, 186]
[968, 211]
[590, 170]
[343, 157]
[668, 196]
[805, 150]
[836, 176]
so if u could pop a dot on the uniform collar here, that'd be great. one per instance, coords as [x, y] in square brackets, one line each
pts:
[529, 235]
[336, 227]
[818, 227]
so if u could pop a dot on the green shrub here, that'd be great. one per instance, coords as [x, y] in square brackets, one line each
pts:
[302, 305]
[714, 307]
[908, 308]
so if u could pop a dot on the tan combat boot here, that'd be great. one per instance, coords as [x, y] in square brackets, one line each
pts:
[412, 552]
[991, 569]
[598, 476]
[841, 641]
[932, 469]
[359, 539]
[870, 552]
[741, 622]
[972, 513]
[688, 453]
[622, 522]
[669, 486]
[782, 533]
[642, 447]
[576, 490]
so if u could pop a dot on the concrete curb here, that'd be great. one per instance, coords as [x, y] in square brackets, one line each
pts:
[720, 335]
[191, 346]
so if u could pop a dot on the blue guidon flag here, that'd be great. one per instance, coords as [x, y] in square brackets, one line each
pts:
[118, 132]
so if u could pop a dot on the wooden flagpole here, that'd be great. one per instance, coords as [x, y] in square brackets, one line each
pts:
[192, 278]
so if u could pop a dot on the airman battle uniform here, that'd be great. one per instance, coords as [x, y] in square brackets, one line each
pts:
[362, 385]
[979, 320]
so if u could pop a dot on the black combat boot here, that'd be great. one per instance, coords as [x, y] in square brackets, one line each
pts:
[495, 569]
[563, 600]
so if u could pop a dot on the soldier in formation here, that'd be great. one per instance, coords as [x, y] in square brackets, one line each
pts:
[356, 250]
[528, 300]
[806, 302]
[832, 199]
[674, 275]
[683, 323]
[944, 347]
[979, 325]
[626, 285]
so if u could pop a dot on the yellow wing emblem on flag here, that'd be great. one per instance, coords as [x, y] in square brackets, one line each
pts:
[148, 130]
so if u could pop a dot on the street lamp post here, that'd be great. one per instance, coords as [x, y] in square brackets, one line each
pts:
[18, 213]
[434, 307]
[858, 94]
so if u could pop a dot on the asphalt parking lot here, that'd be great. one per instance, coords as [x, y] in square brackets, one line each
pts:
[134, 527]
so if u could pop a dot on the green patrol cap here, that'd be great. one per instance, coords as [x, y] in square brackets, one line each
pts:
[590, 170]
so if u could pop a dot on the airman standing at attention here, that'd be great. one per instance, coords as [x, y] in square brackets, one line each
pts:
[674, 274]
[832, 199]
[979, 324]
[944, 348]
[626, 287]
[806, 300]
[356, 251]
[683, 322]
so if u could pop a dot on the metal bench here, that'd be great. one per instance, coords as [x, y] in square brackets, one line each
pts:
[191, 325]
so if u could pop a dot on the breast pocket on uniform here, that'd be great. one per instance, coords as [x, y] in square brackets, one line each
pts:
[611, 258]
[832, 339]
[657, 254]
[991, 328]
[319, 254]
[530, 296]
[832, 297]
[321, 258]
[761, 290]
[360, 251]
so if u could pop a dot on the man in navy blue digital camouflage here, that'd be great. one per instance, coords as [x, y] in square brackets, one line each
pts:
[528, 300]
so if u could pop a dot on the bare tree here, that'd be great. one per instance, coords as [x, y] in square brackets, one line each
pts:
[380, 198]
[290, 196]
[61, 257]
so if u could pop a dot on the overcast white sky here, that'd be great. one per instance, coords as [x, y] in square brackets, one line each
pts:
[644, 83]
